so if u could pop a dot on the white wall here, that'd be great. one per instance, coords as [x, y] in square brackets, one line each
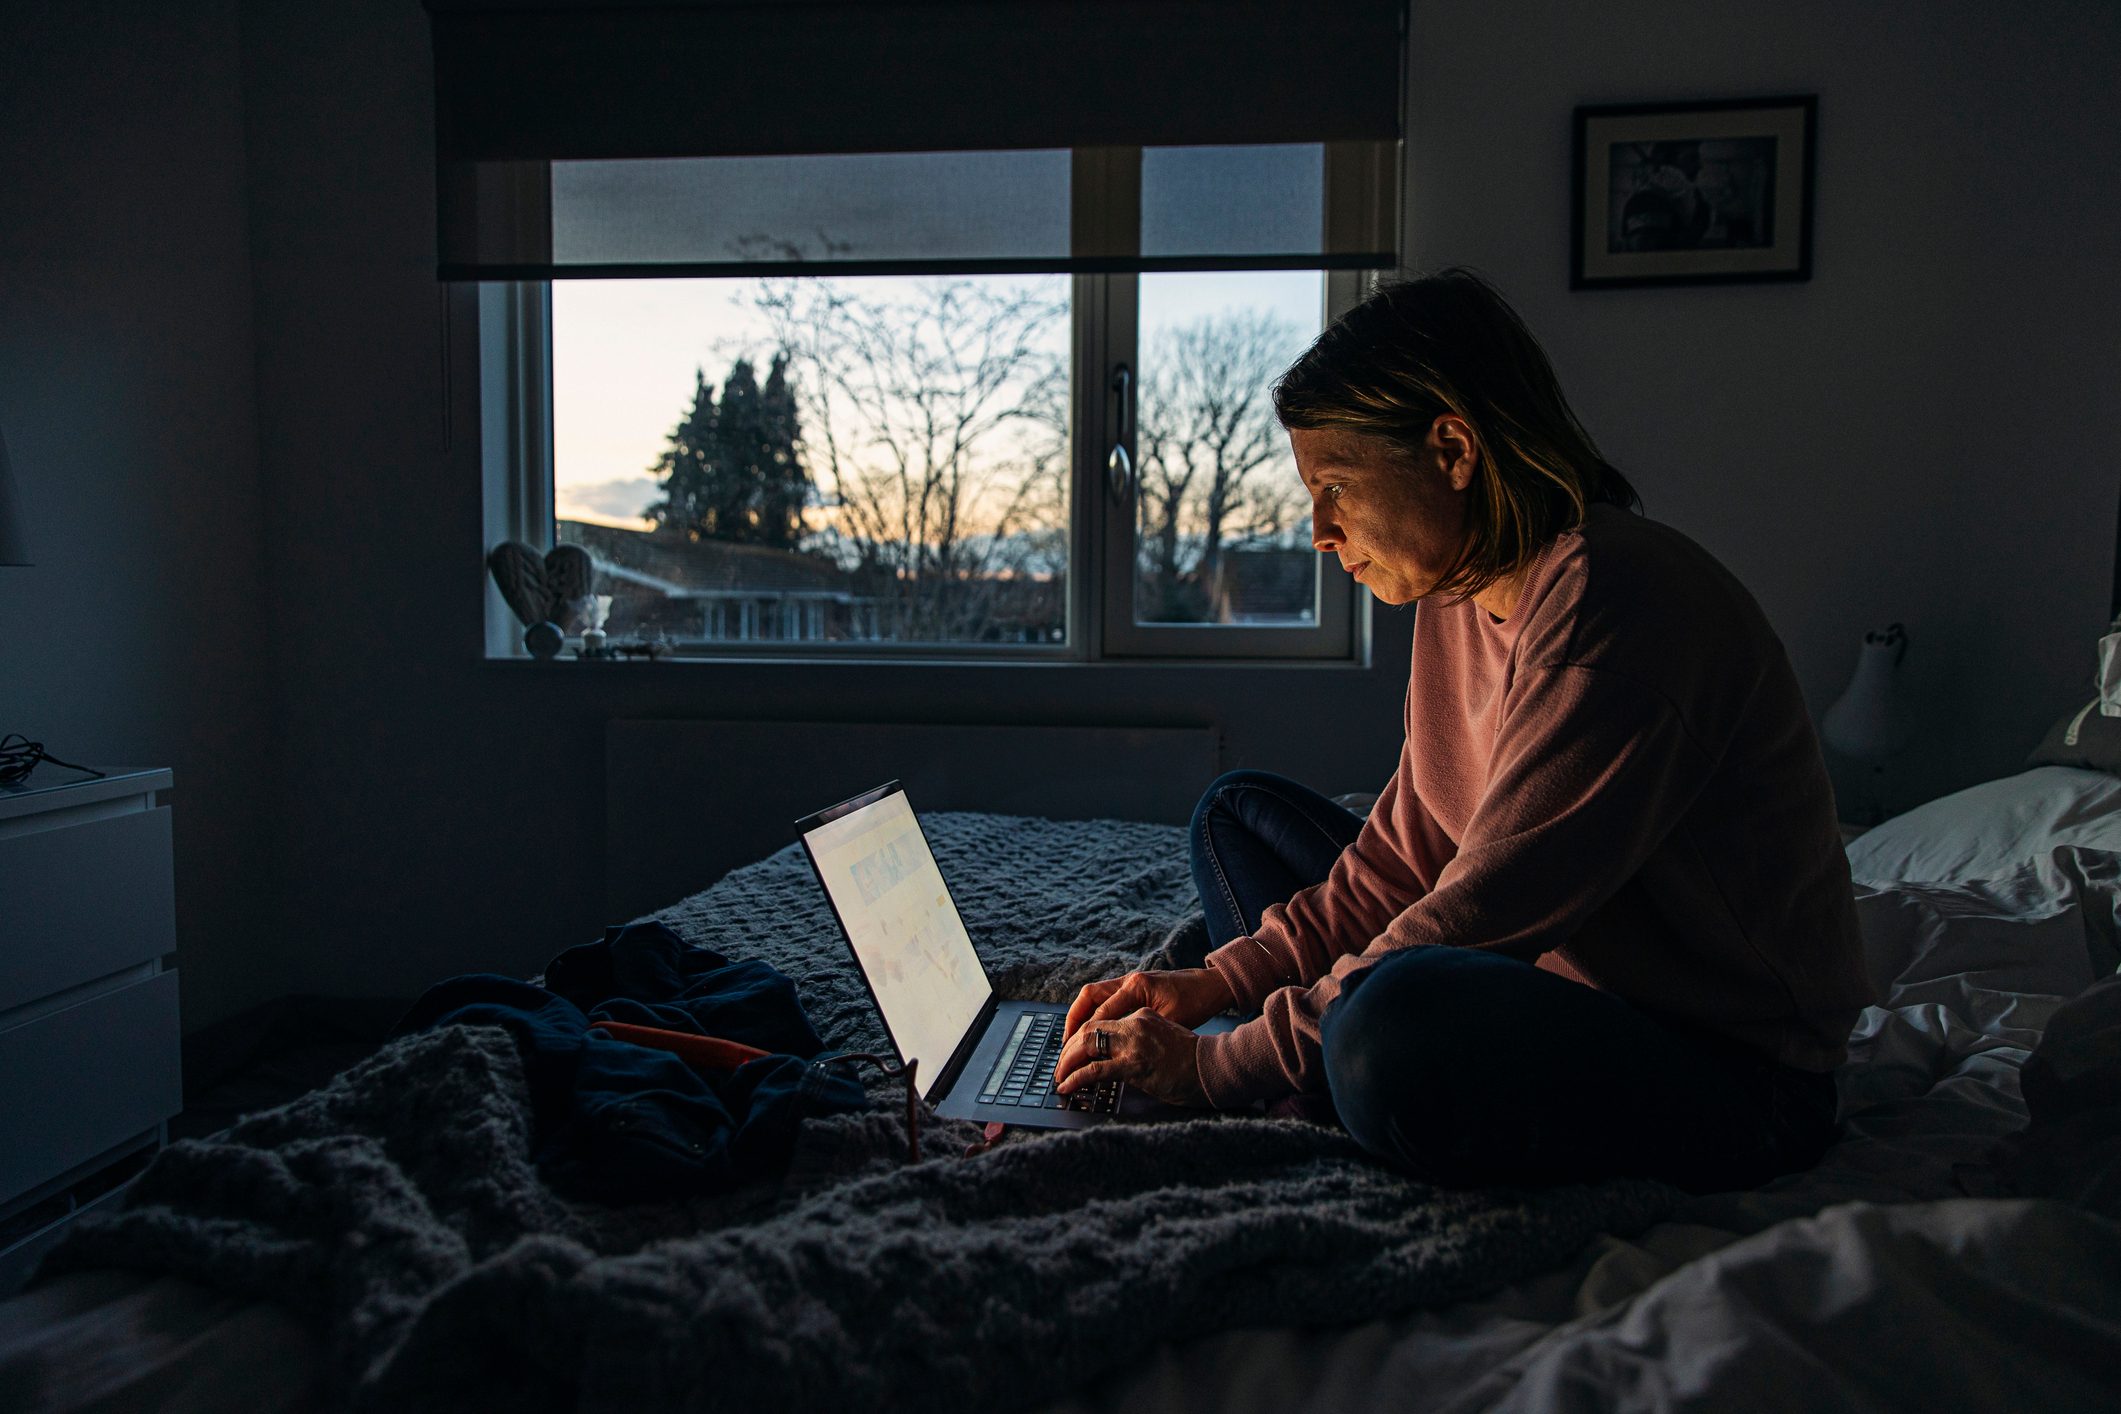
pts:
[1928, 430]
[138, 639]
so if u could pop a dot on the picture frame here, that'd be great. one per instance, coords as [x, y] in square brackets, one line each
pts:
[1703, 193]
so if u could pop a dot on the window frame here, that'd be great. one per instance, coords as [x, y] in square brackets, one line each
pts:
[515, 417]
[1332, 634]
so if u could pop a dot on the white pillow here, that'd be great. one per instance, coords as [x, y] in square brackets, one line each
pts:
[1989, 830]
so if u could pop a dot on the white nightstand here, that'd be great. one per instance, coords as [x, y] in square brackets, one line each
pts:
[88, 1003]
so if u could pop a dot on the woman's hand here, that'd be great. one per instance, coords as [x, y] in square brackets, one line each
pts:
[1188, 996]
[1148, 1018]
[1152, 1053]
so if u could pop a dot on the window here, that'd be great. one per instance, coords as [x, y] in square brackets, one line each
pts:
[818, 462]
[1208, 553]
[889, 463]
[862, 375]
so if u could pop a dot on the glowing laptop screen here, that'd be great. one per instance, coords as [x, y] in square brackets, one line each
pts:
[906, 933]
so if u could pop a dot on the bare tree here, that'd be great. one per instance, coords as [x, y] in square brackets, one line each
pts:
[936, 426]
[1215, 464]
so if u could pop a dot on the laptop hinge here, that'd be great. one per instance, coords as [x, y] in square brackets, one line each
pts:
[966, 1045]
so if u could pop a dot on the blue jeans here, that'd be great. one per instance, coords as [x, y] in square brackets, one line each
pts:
[1468, 1068]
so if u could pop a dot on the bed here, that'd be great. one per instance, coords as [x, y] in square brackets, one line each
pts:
[1945, 1253]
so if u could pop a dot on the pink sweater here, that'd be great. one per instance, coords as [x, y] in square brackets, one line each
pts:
[1620, 782]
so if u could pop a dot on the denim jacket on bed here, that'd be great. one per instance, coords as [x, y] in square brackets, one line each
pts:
[622, 1123]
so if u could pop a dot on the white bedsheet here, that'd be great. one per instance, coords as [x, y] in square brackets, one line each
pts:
[1872, 1281]
[1957, 1304]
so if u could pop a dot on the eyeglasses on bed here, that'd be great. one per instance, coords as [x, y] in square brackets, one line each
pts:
[892, 1069]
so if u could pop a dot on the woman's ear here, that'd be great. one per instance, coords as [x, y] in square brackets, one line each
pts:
[1456, 449]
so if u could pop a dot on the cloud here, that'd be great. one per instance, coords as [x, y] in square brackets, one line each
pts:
[628, 496]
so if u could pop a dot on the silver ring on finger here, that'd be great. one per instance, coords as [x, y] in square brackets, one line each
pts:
[1101, 1044]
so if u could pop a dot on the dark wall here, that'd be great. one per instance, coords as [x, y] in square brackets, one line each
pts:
[1926, 431]
[443, 813]
[126, 396]
[242, 413]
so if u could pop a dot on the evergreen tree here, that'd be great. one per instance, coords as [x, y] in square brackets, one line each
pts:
[742, 428]
[785, 483]
[731, 471]
[690, 467]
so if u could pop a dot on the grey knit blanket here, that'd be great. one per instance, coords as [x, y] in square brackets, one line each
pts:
[396, 1207]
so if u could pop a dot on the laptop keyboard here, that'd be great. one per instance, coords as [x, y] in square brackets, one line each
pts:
[1023, 1076]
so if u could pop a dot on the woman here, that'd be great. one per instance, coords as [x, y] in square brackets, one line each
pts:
[1599, 921]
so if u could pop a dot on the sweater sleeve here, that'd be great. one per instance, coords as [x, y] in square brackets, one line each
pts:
[1591, 770]
[1369, 884]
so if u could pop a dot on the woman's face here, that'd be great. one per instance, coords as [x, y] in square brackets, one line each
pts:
[1396, 525]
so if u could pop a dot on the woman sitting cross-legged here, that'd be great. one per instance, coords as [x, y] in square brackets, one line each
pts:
[1599, 921]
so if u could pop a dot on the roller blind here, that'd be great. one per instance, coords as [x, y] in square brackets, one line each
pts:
[732, 136]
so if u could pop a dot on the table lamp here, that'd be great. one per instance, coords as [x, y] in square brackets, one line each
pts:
[14, 550]
[1868, 722]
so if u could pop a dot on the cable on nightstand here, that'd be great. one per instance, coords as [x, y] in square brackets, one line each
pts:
[19, 756]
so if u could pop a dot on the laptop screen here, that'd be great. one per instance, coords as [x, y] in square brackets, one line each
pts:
[906, 933]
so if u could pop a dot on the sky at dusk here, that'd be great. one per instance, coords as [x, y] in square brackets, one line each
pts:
[624, 354]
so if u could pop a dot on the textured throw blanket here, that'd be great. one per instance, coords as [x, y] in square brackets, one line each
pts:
[397, 1208]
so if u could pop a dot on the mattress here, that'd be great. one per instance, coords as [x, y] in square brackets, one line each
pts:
[1882, 1278]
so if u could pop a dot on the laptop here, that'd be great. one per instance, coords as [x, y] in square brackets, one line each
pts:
[977, 1056]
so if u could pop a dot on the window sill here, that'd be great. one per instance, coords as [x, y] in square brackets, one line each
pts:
[567, 662]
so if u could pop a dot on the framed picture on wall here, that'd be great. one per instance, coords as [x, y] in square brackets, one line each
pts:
[1693, 193]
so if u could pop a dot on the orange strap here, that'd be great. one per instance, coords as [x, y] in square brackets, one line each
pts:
[699, 1052]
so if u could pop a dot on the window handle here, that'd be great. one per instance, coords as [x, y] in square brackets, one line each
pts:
[1119, 465]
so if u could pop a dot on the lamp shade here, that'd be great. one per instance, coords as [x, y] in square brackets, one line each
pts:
[1868, 722]
[13, 548]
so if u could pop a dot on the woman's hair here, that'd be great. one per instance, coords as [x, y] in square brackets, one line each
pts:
[1448, 343]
